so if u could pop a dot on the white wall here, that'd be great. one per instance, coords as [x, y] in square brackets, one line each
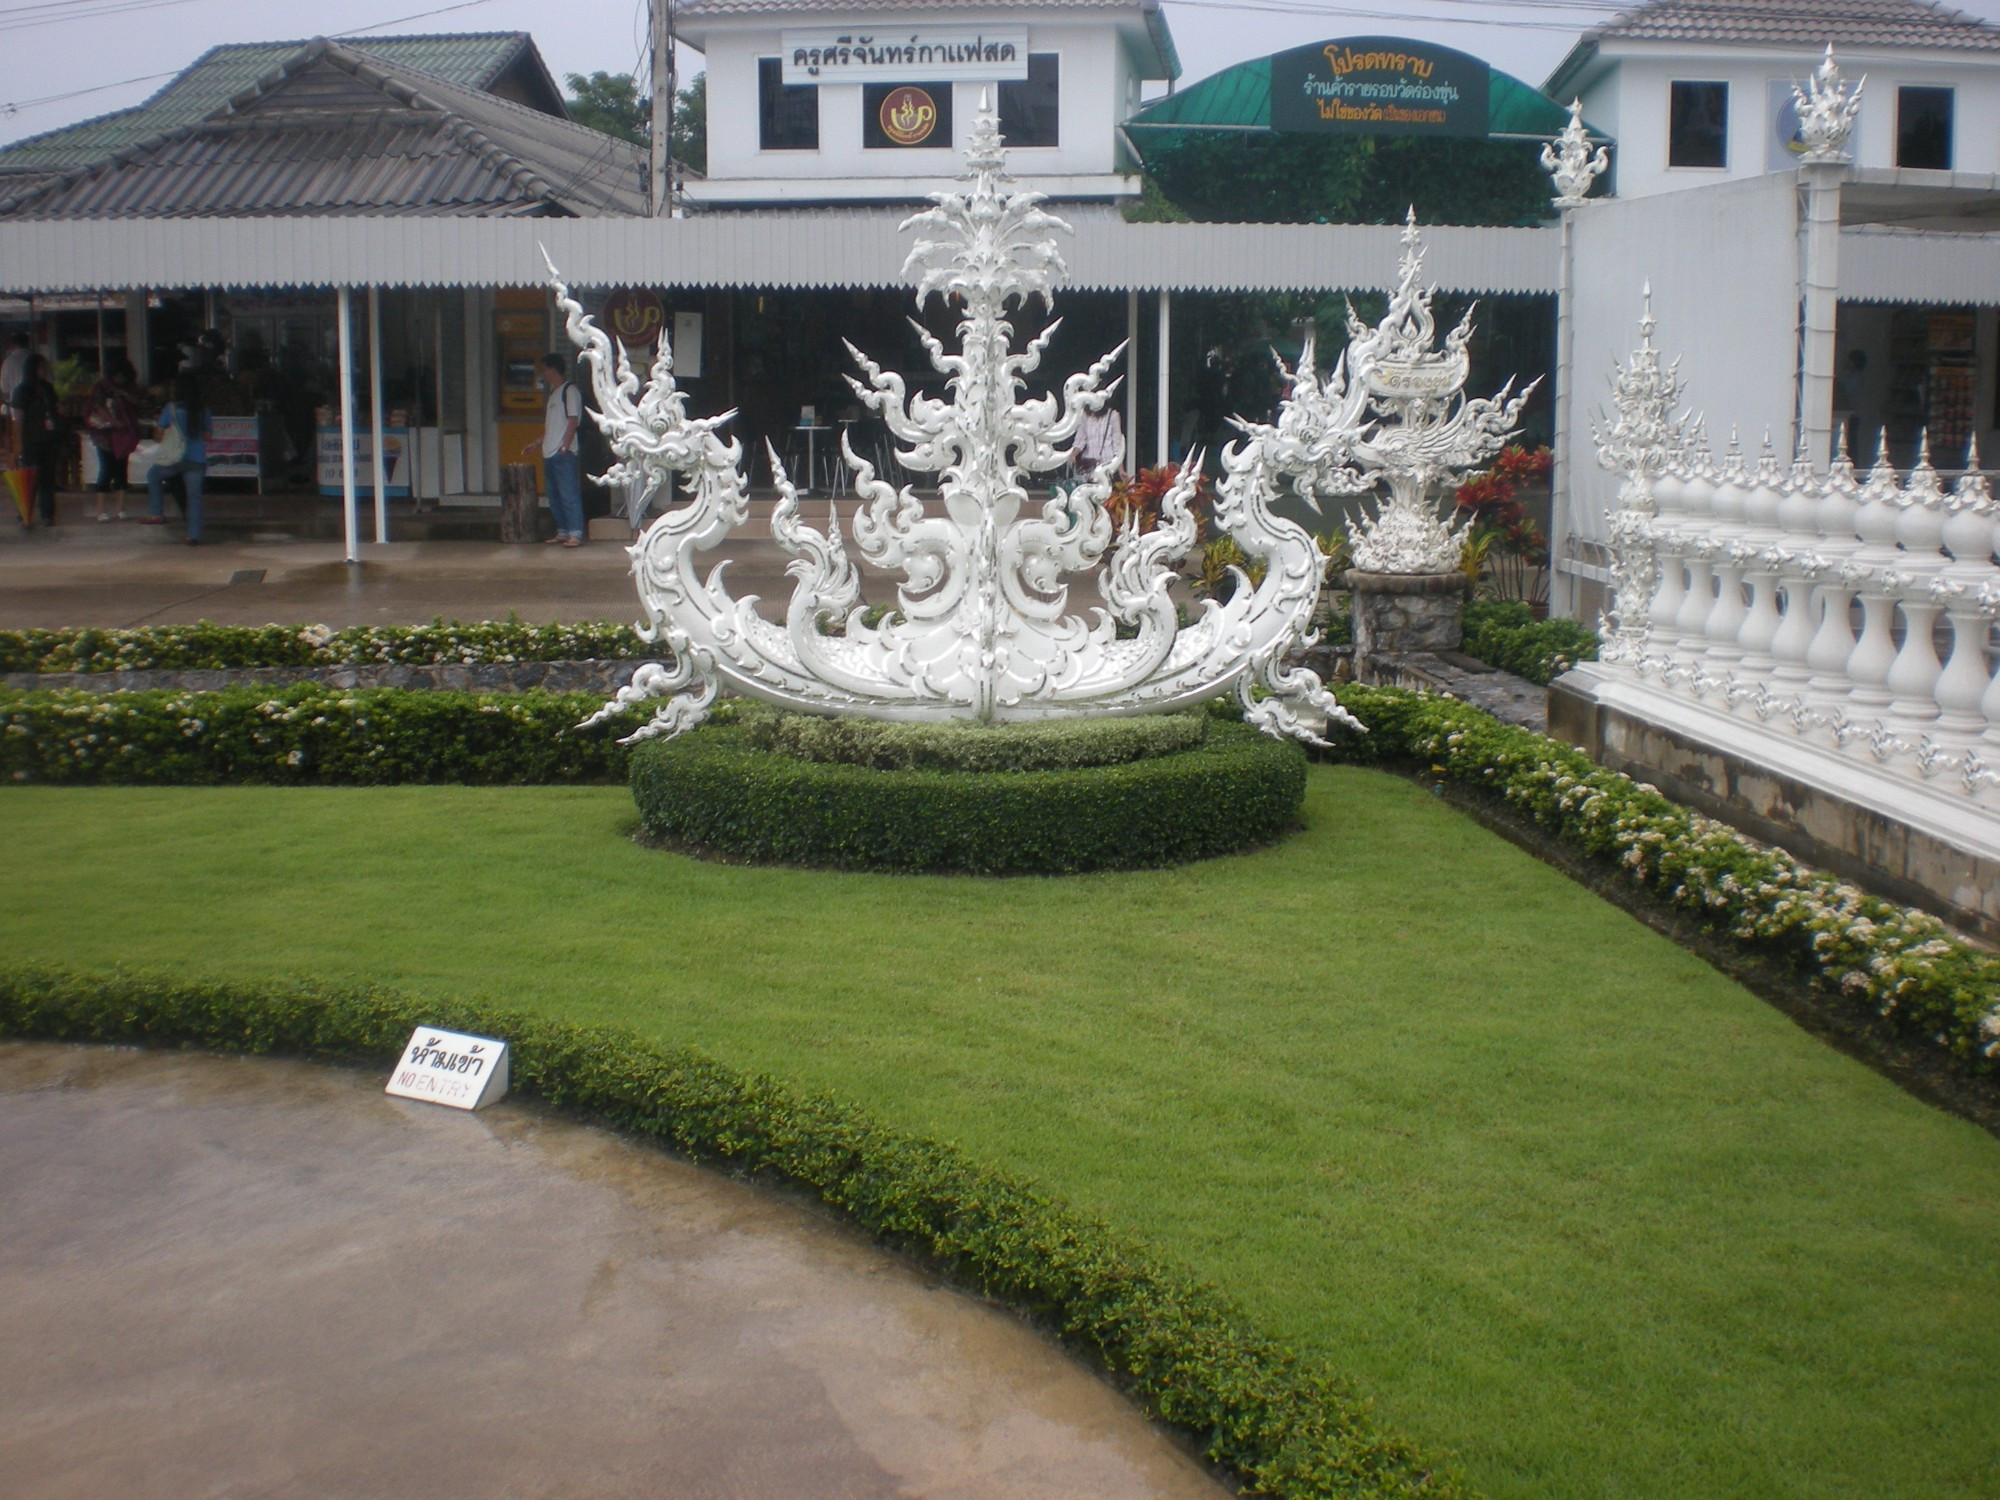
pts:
[1631, 103]
[1723, 263]
[1096, 90]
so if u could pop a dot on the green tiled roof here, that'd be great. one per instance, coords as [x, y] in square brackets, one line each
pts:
[470, 59]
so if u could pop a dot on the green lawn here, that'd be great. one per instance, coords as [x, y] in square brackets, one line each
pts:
[1562, 1199]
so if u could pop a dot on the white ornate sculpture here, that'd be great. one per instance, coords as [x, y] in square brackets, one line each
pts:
[1571, 163]
[1643, 431]
[1827, 111]
[1423, 427]
[981, 629]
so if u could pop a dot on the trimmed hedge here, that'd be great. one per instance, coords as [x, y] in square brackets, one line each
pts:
[1901, 963]
[714, 790]
[967, 746]
[306, 733]
[1504, 634]
[1284, 1423]
[207, 645]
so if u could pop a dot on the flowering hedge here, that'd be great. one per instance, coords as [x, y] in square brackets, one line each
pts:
[302, 734]
[206, 645]
[1283, 1422]
[1901, 963]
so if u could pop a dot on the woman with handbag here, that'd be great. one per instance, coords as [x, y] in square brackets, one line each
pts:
[113, 421]
[183, 431]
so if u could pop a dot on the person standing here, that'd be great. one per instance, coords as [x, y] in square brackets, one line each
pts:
[187, 418]
[114, 431]
[13, 370]
[38, 421]
[559, 424]
[1100, 439]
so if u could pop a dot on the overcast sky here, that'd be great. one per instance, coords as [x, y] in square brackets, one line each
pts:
[67, 60]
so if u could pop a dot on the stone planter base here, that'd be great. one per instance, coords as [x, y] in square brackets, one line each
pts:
[1397, 613]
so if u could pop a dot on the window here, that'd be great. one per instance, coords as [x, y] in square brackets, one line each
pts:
[1923, 128]
[1698, 125]
[896, 115]
[787, 114]
[1029, 110]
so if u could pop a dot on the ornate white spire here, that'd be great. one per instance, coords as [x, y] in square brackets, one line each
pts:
[1421, 426]
[1827, 110]
[982, 628]
[1571, 163]
[1645, 427]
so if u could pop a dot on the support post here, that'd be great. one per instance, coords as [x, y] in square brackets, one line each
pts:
[138, 336]
[1562, 512]
[377, 458]
[350, 523]
[1820, 280]
[1163, 421]
[1131, 380]
[661, 146]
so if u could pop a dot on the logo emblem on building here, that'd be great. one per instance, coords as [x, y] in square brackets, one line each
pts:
[908, 116]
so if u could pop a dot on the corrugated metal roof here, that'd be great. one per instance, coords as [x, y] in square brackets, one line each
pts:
[849, 248]
[697, 11]
[472, 59]
[1869, 23]
[337, 133]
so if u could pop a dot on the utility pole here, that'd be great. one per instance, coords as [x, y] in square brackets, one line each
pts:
[662, 153]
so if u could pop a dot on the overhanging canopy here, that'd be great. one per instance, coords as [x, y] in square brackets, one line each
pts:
[1240, 98]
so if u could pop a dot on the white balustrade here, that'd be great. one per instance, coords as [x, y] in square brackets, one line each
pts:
[1740, 587]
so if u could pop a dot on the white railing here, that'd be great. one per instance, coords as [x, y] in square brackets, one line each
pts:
[1854, 612]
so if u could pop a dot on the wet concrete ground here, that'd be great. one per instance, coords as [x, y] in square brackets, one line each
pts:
[245, 1277]
[125, 574]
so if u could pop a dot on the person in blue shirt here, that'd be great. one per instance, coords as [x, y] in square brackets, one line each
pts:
[186, 415]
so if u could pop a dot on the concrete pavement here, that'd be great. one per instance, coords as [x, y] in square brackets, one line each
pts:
[238, 1276]
[123, 574]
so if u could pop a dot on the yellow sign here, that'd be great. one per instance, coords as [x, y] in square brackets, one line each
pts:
[908, 116]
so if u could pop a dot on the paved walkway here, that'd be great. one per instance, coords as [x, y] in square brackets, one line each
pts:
[125, 574]
[233, 1276]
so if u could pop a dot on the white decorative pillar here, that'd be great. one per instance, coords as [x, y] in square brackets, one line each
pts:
[1131, 380]
[1827, 110]
[1573, 166]
[1163, 420]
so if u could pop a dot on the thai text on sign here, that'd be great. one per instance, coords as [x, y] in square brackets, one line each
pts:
[1379, 86]
[921, 56]
[450, 1068]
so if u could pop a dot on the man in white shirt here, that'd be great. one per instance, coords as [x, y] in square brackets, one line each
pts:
[1100, 439]
[559, 464]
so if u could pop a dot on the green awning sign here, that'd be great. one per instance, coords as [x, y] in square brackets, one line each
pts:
[1371, 85]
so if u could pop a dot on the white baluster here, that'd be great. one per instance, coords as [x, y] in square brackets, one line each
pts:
[1833, 643]
[1989, 705]
[1913, 675]
[1799, 576]
[1868, 665]
[1966, 675]
[1920, 519]
[1697, 496]
[1727, 556]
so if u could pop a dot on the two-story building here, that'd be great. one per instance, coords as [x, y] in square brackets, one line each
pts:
[823, 101]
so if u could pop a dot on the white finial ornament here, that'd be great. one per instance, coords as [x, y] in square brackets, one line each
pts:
[1571, 163]
[1827, 110]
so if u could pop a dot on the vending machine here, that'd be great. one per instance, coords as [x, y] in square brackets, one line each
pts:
[521, 336]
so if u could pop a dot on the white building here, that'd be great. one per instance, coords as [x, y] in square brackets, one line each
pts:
[1697, 92]
[825, 101]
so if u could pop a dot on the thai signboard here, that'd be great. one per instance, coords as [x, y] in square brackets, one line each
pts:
[925, 55]
[451, 1068]
[1377, 85]
[232, 448]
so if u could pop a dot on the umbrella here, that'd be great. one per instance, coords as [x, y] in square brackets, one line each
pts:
[21, 483]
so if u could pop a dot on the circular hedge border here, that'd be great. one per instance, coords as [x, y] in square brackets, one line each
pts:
[714, 792]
